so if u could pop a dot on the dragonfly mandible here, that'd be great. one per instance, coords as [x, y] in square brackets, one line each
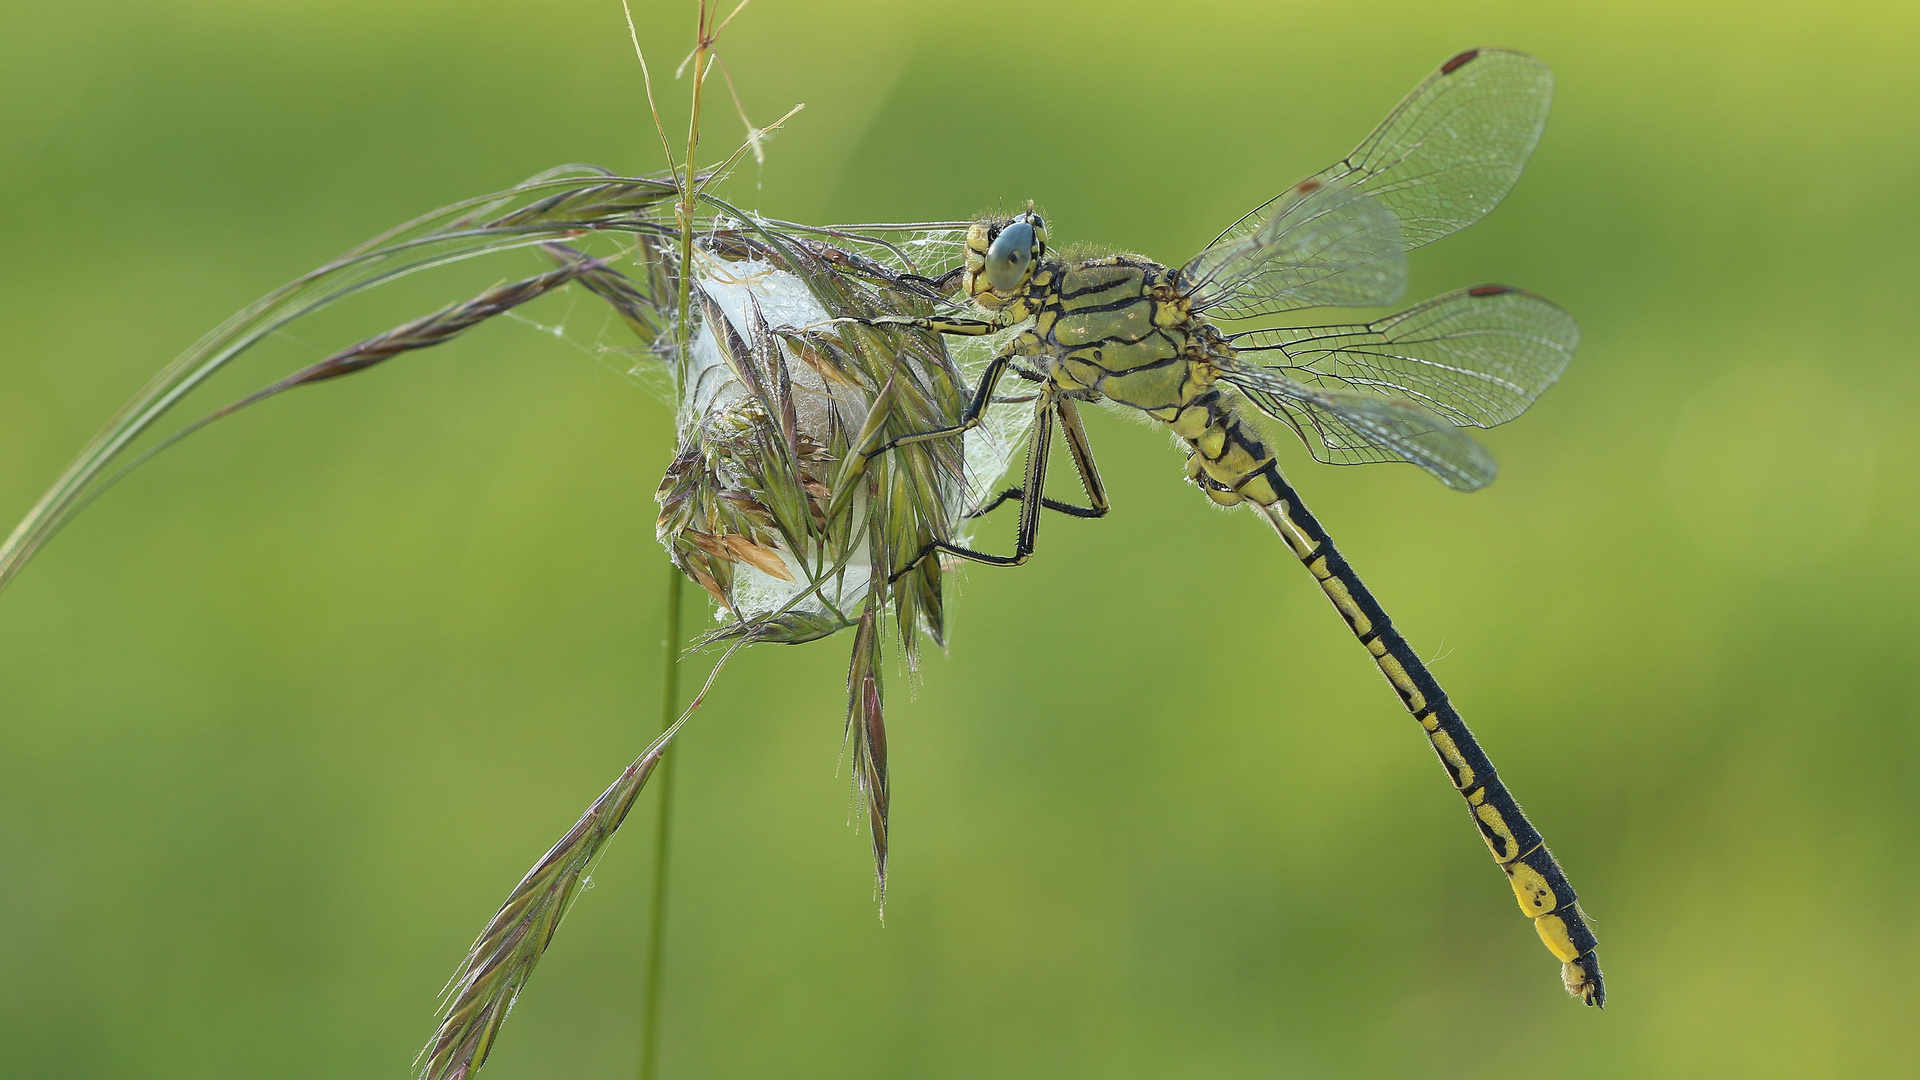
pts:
[1133, 333]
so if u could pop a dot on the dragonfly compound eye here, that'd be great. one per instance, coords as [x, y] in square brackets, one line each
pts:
[1011, 256]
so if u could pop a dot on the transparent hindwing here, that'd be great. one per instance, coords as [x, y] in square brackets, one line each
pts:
[1401, 388]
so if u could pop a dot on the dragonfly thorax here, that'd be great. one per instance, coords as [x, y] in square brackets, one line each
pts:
[1117, 328]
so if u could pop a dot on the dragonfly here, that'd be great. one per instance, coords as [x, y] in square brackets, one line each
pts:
[823, 480]
[1131, 333]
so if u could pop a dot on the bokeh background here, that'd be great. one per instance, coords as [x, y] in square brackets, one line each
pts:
[283, 717]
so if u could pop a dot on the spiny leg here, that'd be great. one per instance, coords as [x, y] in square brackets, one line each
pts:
[938, 286]
[974, 415]
[856, 461]
[1082, 453]
[1537, 880]
[955, 326]
[1038, 446]
[976, 411]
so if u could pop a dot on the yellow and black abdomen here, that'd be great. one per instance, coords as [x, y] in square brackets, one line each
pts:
[1537, 880]
[1232, 465]
[1228, 461]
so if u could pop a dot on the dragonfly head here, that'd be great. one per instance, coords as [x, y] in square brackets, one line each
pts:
[1001, 255]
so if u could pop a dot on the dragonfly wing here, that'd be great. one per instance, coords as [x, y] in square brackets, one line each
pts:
[1354, 428]
[1443, 158]
[1328, 243]
[1476, 357]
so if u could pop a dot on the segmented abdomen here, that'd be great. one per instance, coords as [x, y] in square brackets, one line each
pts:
[1230, 463]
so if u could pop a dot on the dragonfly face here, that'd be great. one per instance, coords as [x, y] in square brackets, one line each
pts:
[1001, 256]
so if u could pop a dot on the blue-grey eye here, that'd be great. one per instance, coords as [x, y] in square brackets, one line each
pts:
[1008, 256]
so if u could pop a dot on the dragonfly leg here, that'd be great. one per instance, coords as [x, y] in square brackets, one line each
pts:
[956, 327]
[942, 285]
[1082, 453]
[974, 415]
[1035, 482]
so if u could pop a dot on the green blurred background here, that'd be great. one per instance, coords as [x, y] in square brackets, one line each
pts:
[284, 717]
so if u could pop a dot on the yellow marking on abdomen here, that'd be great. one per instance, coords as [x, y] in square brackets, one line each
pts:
[1231, 468]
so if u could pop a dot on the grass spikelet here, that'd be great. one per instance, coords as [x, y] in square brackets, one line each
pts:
[866, 737]
[424, 333]
[554, 206]
[503, 958]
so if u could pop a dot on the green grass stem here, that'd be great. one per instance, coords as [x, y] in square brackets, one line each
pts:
[662, 834]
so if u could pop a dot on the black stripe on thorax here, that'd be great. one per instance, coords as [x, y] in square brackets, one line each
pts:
[1061, 307]
[1107, 286]
[1115, 339]
[1150, 365]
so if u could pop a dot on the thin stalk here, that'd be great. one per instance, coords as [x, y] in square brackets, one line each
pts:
[663, 834]
[682, 331]
[670, 694]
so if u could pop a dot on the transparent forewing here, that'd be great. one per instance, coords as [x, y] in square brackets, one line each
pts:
[1476, 358]
[1353, 428]
[1328, 244]
[1439, 162]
